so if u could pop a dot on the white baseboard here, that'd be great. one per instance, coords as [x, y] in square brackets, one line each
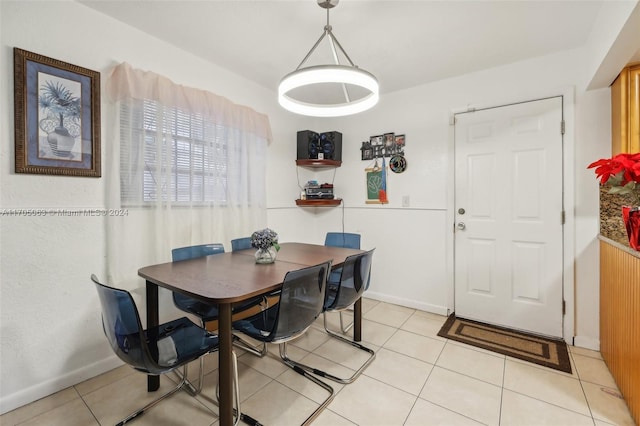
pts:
[409, 303]
[40, 390]
[587, 343]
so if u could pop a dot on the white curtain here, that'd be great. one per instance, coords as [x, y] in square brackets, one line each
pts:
[184, 167]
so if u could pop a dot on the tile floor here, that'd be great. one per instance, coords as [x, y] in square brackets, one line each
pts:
[416, 379]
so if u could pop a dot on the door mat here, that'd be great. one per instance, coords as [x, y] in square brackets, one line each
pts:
[551, 353]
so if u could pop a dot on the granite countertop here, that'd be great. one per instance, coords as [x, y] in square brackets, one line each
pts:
[611, 224]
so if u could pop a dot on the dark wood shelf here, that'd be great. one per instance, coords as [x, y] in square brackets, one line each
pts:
[319, 203]
[318, 163]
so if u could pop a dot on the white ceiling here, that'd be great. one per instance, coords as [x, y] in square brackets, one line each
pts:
[403, 43]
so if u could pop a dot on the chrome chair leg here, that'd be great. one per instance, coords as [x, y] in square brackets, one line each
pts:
[189, 387]
[254, 350]
[329, 376]
[236, 389]
[142, 410]
[303, 372]
[342, 327]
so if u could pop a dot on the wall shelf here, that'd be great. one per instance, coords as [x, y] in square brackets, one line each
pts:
[319, 203]
[318, 163]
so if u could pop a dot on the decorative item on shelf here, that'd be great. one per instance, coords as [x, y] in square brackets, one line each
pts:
[319, 146]
[266, 241]
[621, 174]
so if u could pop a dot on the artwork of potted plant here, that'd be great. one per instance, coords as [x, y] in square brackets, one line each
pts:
[62, 117]
[266, 241]
[621, 174]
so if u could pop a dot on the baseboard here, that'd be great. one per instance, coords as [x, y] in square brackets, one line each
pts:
[587, 343]
[40, 390]
[409, 303]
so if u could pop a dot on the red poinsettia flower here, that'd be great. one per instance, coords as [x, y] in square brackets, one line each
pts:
[625, 167]
[621, 173]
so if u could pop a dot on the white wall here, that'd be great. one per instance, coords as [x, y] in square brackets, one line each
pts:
[50, 328]
[51, 335]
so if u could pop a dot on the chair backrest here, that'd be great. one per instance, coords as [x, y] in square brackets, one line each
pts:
[241, 243]
[354, 280]
[192, 252]
[301, 301]
[342, 239]
[121, 325]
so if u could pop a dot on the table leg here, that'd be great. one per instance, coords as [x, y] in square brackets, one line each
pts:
[225, 366]
[357, 321]
[153, 382]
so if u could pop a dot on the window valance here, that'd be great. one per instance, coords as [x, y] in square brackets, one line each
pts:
[127, 82]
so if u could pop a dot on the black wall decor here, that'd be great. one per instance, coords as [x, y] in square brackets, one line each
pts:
[386, 145]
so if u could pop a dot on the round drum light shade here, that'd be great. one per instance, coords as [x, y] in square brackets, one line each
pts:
[335, 74]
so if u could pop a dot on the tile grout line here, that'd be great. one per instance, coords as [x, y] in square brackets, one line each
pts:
[584, 393]
[88, 408]
[504, 373]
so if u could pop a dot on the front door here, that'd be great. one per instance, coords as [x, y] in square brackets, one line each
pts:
[509, 216]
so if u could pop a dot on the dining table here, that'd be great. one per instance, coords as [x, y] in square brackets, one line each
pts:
[230, 278]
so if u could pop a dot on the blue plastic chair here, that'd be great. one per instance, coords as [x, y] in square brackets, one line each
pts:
[346, 240]
[353, 283]
[301, 303]
[206, 311]
[342, 239]
[241, 244]
[157, 350]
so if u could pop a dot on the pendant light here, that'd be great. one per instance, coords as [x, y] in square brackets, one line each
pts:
[335, 74]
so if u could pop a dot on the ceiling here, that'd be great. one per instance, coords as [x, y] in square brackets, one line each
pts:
[403, 43]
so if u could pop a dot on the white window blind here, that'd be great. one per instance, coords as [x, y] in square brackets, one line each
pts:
[186, 158]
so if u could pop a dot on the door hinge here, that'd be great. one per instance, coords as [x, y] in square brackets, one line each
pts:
[563, 217]
[562, 127]
[564, 307]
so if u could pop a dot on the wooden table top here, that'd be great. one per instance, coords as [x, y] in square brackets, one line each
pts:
[232, 277]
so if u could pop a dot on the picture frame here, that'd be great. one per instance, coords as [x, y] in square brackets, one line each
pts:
[57, 117]
[366, 151]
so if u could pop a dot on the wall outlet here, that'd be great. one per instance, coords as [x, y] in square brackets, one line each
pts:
[405, 201]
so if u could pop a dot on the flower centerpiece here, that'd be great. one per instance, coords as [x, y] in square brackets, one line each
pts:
[621, 174]
[266, 241]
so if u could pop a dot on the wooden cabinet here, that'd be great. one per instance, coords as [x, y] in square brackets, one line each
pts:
[318, 164]
[625, 111]
[619, 319]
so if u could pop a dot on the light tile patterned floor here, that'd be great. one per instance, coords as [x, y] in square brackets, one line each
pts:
[416, 379]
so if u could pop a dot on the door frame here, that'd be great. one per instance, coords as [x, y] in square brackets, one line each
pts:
[568, 191]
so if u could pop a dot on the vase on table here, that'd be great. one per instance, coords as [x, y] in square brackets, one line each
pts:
[631, 219]
[267, 255]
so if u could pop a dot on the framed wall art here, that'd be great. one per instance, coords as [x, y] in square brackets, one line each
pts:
[57, 116]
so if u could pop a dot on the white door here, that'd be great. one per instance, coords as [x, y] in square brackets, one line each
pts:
[508, 210]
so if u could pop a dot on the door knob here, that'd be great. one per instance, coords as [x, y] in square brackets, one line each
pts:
[461, 226]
